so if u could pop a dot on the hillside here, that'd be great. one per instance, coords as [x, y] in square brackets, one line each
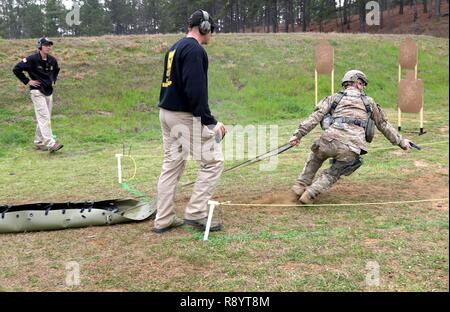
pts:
[253, 78]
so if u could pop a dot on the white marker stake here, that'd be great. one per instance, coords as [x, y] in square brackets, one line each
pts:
[212, 205]
[119, 167]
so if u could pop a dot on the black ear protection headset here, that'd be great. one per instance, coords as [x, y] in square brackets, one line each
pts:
[43, 41]
[39, 43]
[205, 25]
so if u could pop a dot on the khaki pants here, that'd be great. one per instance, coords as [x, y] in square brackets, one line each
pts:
[183, 138]
[43, 109]
[322, 150]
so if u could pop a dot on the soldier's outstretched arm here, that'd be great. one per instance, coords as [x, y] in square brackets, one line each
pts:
[312, 121]
[382, 123]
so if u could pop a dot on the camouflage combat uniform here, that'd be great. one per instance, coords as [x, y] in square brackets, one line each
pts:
[342, 142]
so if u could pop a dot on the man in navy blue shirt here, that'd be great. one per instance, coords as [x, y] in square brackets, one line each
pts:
[43, 69]
[188, 127]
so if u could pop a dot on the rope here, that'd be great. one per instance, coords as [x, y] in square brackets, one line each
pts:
[279, 150]
[283, 148]
[395, 147]
[335, 205]
[135, 168]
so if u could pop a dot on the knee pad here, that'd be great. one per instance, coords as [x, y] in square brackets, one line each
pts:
[345, 168]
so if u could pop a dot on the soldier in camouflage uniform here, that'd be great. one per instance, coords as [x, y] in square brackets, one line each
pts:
[344, 141]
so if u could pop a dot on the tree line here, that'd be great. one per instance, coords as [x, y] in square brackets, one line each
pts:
[33, 18]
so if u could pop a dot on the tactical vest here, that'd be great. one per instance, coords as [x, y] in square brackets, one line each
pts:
[368, 125]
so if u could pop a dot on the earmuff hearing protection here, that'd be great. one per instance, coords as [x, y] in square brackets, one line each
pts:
[42, 41]
[39, 44]
[205, 25]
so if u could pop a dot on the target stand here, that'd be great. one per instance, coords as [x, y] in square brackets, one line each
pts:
[324, 66]
[411, 90]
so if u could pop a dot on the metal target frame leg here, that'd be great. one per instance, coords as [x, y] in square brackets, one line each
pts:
[316, 85]
[421, 131]
[316, 91]
[332, 81]
[399, 112]
[421, 127]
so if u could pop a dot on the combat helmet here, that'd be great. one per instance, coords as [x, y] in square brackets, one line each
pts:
[353, 75]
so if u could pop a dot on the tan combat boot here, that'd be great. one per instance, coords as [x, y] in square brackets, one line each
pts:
[306, 199]
[298, 189]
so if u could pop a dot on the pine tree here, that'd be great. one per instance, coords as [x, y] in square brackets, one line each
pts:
[54, 18]
[31, 17]
[94, 20]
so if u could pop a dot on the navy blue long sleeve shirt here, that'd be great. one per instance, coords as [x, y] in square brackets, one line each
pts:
[45, 71]
[185, 81]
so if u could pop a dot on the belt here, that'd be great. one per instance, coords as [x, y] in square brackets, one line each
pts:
[349, 120]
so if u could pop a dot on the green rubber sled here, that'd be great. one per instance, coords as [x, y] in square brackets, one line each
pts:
[57, 216]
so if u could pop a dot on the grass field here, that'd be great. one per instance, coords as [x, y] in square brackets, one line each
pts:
[106, 102]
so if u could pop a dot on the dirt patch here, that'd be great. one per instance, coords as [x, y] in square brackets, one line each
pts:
[78, 76]
[404, 170]
[104, 113]
[398, 153]
[371, 241]
[143, 108]
[237, 83]
[282, 197]
[444, 130]
[421, 164]
[443, 171]
[315, 268]
[127, 45]
[161, 47]
[440, 205]
[115, 290]
[291, 265]
[430, 186]
[444, 279]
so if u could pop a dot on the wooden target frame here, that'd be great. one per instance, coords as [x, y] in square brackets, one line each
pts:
[409, 60]
[324, 66]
